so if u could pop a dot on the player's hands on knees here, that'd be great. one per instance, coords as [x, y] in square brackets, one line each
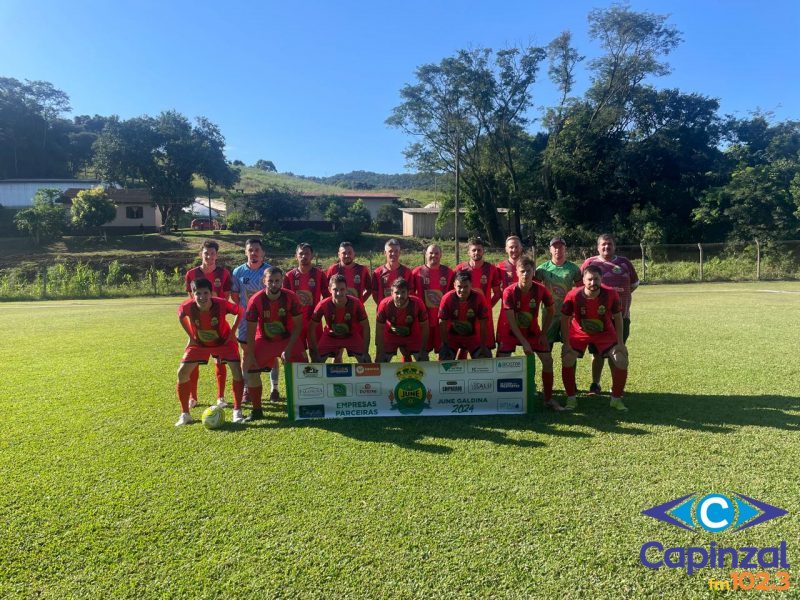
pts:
[483, 352]
[382, 357]
[364, 358]
[421, 356]
[621, 348]
[446, 353]
[526, 347]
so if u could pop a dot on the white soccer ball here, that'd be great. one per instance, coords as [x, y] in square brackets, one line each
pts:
[213, 417]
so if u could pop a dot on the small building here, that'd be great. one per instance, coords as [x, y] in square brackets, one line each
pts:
[19, 193]
[421, 222]
[135, 210]
[372, 200]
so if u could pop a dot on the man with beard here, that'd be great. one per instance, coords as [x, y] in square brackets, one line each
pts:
[432, 281]
[463, 317]
[346, 325]
[384, 276]
[401, 324]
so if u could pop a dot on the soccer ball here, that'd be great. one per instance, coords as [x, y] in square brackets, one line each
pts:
[213, 417]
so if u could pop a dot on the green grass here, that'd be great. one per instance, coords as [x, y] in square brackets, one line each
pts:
[102, 497]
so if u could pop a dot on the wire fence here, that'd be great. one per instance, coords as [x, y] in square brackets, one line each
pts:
[162, 274]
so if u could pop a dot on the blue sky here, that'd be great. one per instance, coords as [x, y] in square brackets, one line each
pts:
[309, 85]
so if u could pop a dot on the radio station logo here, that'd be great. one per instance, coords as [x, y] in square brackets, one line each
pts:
[509, 385]
[410, 396]
[339, 370]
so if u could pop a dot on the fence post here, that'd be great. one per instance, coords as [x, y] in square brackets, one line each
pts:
[153, 277]
[699, 245]
[758, 260]
[43, 293]
[644, 264]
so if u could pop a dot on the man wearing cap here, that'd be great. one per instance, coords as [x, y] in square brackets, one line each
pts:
[559, 276]
[620, 275]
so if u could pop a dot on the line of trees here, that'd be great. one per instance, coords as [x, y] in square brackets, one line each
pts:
[649, 164]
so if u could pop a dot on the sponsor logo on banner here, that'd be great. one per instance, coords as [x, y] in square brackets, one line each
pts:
[340, 390]
[509, 385]
[509, 365]
[368, 389]
[451, 387]
[368, 370]
[480, 367]
[312, 411]
[310, 371]
[514, 405]
[339, 370]
[451, 366]
[410, 396]
[481, 386]
[710, 514]
[310, 391]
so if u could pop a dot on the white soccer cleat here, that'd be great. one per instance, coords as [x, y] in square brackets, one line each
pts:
[192, 402]
[185, 419]
[221, 403]
[238, 417]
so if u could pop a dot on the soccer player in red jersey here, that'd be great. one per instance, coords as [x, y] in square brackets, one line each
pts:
[221, 282]
[203, 320]
[359, 280]
[508, 267]
[522, 303]
[346, 325]
[310, 284]
[486, 281]
[401, 324]
[620, 275]
[591, 317]
[384, 275]
[462, 321]
[432, 281]
[274, 325]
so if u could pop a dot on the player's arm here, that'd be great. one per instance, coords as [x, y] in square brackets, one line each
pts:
[497, 290]
[514, 326]
[187, 327]
[366, 286]
[565, 323]
[376, 281]
[239, 312]
[366, 333]
[297, 326]
[313, 344]
[617, 317]
[249, 358]
[547, 320]
[425, 330]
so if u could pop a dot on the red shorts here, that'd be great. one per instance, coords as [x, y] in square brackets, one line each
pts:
[597, 344]
[469, 343]
[200, 354]
[434, 334]
[392, 342]
[329, 345]
[267, 350]
[508, 342]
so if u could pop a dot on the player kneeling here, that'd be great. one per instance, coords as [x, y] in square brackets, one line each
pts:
[591, 316]
[463, 315]
[346, 325]
[401, 324]
[274, 324]
[203, 320]
[521, 305]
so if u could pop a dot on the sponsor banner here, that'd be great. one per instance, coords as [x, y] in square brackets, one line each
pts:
[457, 387]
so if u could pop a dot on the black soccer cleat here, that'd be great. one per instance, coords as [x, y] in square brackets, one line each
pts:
[255, 415]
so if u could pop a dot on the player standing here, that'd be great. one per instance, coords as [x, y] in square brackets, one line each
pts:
[620, 275]
[220, 279]
[359, 281]
[203, 320]
[346, 325]
[401, 324]
[508, 267]
[591, 316]
[522, 303]
[559, 276]
[384, 276]
[432, 281]
[486, 281]
[274, 325]
[463, 316]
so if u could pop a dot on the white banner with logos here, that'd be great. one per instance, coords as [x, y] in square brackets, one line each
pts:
[485, 386]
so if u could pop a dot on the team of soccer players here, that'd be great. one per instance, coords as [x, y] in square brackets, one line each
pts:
[280, 315]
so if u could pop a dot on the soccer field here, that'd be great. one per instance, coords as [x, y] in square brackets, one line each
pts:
[102, 496]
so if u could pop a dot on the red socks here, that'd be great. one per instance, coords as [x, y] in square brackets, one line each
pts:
[568, 378]
[238, 392]
[183, 395]
[618, 379]
[222, 378]
[255, 396]
[193, 381]
[547, 385]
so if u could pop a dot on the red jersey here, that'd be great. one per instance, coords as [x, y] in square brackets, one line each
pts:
[620, 275]
[526, 306]
[210, 327]
[383, 278]
[359, 281]
[431, 285]
[591, 316]
[404, 321]
[508, 273]
[340, 322]
[463, 316]
[220, 279]
[274, 317]
[486, 280]
[310, 287]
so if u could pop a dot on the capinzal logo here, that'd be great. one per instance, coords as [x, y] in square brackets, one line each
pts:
[714, 512]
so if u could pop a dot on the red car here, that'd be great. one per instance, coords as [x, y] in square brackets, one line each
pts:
[205, 223]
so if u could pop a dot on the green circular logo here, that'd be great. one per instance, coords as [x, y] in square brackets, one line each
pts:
[409, 395]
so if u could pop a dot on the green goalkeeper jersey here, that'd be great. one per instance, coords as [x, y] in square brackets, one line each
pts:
[559, 280]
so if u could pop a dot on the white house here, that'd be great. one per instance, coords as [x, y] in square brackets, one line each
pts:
[19, 193]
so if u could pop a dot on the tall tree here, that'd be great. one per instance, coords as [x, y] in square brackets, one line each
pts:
[212, 167]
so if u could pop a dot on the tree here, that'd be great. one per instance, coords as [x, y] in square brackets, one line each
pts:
[271, 206]
[265, 165]
[357, 220]
[389, 219]
[45, 219]
[332, 208]
[212, 167]
[92, 209]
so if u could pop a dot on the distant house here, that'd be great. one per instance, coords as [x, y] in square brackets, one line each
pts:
[421, 222]
[135, 210]
[19, 193]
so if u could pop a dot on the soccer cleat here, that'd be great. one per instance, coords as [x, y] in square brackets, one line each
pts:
[554, 406]
[255, 415]
[572, 403]
[616, 403]
[221, 403]
[275, 396]
[192, 402]
[238, 417]
[595, 389]
[185, 419]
